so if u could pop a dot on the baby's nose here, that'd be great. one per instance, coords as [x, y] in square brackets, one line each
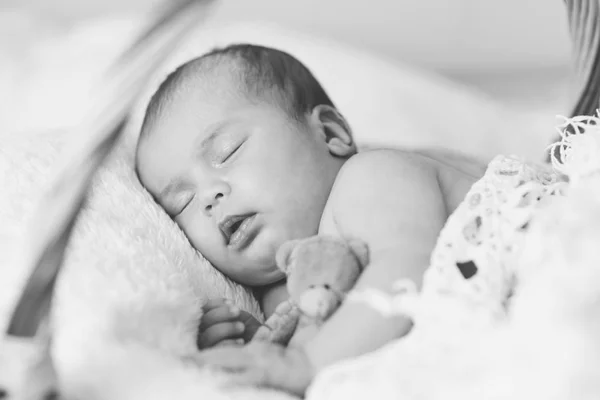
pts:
[213, 194]
[211, 204]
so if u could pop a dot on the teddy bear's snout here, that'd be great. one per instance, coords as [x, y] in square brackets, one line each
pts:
[318, 302]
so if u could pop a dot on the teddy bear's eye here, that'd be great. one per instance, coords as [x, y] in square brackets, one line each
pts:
[326, 286]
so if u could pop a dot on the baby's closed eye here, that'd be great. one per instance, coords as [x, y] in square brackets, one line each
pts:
[176, 205]
[223, 148]
[230, 150]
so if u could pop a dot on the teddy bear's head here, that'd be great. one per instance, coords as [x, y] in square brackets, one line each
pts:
[320, 271]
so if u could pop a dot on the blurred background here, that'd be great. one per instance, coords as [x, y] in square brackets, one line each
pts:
[516, 51]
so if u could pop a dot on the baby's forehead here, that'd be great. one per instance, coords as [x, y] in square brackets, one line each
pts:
[200, 93]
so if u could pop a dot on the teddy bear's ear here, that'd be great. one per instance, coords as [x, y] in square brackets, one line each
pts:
[360, 250]
[282, 258]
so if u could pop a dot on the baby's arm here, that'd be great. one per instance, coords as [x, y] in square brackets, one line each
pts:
[393, 202]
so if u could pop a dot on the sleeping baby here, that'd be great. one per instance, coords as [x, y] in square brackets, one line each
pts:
[245, 150]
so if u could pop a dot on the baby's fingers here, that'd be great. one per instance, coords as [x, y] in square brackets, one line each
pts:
[284, 308]
[263, 333]
[219, 332]
[213, 303]
[223, 313]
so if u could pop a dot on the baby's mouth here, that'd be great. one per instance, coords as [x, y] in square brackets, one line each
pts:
[236, 229]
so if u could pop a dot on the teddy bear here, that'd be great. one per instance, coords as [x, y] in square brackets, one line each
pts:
[320, 271]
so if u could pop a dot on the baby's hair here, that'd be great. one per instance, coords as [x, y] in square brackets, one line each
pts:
[263, 73]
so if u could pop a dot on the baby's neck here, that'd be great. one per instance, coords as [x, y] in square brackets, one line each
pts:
[270, 296]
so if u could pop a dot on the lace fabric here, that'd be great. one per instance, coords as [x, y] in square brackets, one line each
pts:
[476, 250]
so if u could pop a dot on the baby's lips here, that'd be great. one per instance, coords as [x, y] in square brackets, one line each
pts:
[228, 224]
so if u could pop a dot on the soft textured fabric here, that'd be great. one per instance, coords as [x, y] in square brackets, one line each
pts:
[130, 274]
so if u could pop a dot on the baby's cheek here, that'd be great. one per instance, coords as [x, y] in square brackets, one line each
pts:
[201, 238]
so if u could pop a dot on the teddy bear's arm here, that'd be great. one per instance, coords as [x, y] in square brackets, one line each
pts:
[280, 327]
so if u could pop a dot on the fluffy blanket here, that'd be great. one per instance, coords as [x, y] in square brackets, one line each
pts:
[130, 274]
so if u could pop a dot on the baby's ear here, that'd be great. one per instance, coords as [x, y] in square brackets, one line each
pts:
[360, 250]
[336, 131]
[282, 258]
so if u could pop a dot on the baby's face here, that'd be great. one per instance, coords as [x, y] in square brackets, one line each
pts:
[239, 178]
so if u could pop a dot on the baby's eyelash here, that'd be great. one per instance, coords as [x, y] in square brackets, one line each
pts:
[185, 202]
[232, 152]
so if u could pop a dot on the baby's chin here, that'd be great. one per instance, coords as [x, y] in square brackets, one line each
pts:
[253, 272]
[254, 266]
[261, 276]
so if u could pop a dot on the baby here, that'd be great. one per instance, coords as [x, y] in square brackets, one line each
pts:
[245, 150]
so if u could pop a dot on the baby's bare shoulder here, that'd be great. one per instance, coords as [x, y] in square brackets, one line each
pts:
[391, 200]
[385, 165]
[416, 161]
[380, 182]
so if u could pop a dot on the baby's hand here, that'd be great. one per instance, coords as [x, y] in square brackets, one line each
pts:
[224, 323]
[280, 327]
